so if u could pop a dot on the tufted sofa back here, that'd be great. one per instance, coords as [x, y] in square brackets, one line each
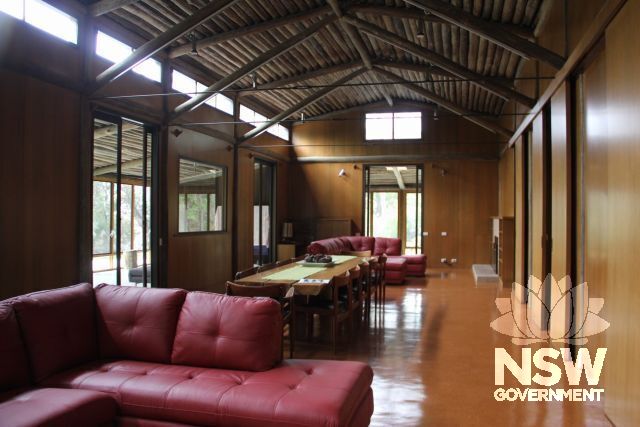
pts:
[360, 243]
[58, 327]
[137, 323]
[14, 367]
[388, 246]
[332, 246]
[219, 331]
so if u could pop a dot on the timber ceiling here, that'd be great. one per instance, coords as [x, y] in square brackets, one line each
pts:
[464, 72]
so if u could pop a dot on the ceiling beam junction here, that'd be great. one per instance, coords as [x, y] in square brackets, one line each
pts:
[445, 103]
[489, 30]
[248, 68]
[356, 39]
[441, 61]
[188, 48]
[155, 45]
[314, 97]
[105, 6]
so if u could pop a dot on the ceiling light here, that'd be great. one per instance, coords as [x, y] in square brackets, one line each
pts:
[194, 47]
[420, 33]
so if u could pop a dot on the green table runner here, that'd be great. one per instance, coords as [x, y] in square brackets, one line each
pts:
[294, 273]
[339, 259]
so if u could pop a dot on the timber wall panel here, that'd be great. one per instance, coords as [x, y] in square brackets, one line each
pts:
[39, 172]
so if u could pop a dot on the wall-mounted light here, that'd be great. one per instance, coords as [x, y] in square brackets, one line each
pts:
[420, 33]
[442, 170]
[435, 113]
[176, 132]
[342, 172]
[253, 80]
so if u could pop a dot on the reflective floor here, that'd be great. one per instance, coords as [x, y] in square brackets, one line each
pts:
[432, 352]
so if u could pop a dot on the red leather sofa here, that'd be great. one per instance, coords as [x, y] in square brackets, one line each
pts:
[127, 356]
[398, 266]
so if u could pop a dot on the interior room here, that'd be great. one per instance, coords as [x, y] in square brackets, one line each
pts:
[319, 212]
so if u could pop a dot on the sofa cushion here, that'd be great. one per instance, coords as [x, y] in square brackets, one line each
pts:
[58, 327]
[220, 331]
[360, 243]
[332, 246]
[47, 407]
[295, 393]
[387, 245]
[14, 366]
[137, 323]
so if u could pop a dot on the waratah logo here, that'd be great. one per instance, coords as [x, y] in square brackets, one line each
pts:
[539, 322]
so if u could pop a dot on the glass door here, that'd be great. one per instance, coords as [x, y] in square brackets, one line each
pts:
[393, 204]
[264, 179]
[122, 202]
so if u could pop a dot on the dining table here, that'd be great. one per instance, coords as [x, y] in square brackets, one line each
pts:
[293, 275]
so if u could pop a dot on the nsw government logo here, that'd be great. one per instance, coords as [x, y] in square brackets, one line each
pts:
[559, 315]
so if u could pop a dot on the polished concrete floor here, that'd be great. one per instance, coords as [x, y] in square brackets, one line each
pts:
[432, 352]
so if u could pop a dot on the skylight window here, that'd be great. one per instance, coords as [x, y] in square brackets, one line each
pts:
[189, 86]
[392, 126]
[114, 50]
[256, 119]
[43, 16]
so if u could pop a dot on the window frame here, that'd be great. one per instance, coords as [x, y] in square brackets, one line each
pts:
[62, 10]
[392, 140]
[225, 199]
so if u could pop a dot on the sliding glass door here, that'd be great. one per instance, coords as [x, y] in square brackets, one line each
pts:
[393, 204]
[264, 180]
[122, 207]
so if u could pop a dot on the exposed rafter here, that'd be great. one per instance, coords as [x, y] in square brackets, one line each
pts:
[105, 6]
[297, 78]
[248, 30]
[153, 46]
[441, 61]
[489, 30]
[418, 14]
[114, 168]
[314, 97]
[398, 175]
[227, 81]
[445, 103]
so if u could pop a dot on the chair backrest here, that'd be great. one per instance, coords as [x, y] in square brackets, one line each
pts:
[365, 271]
[355, 272]
[246, 273]
[272, 291]
[266, 267]
[382, 265]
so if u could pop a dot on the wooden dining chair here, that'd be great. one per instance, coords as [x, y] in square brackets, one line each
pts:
[278, 293]
[335, 307]
[246, 273]
[365, 269]
[267, 267]
[355, 298]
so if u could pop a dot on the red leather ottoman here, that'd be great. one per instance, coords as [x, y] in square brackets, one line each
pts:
[58, 408]
[416, 264]
[396, 270]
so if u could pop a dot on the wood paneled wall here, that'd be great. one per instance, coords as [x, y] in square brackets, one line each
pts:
[507, 182]
[448, 137]
[460, 203]
[197, 261]
[560, 31]
[39, 175]
[316, 191]
[622, 201]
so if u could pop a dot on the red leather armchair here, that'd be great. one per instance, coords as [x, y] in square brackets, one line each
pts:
[147, 357]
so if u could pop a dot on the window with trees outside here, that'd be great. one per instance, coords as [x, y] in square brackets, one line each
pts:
[393, 126]
[201, 197]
